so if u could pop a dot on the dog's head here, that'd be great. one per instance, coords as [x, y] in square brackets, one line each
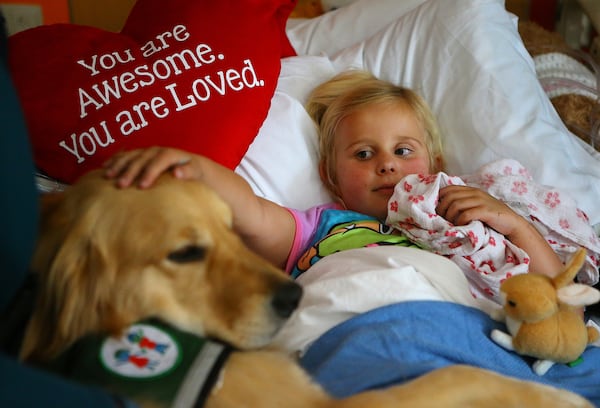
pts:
[108, 257]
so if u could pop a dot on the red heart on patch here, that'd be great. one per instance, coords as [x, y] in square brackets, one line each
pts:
[196, 75]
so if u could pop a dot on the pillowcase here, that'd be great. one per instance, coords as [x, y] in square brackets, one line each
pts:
[466, 59]
[282, 162]
[196, 75]
[345, 26]
[469, 63]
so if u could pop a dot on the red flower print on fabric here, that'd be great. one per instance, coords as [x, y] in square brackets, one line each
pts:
[490, 264]
[408, 224]
[552, 199]
[488, 180]
[581, 214]
[473, 238]
[508, 275]
[519, 187]
[428, 178]
[416, 198]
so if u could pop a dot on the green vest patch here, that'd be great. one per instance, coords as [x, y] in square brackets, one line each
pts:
[151, 360]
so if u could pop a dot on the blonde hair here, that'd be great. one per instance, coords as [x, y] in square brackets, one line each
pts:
[329, 103]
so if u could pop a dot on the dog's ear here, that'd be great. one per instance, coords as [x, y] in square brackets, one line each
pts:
[53, 228]
[63, 255]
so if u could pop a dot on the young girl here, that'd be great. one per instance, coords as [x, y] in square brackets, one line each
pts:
[372, 134]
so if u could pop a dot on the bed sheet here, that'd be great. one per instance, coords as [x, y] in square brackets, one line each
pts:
[373, 317]
[396, 343]
[346, 284]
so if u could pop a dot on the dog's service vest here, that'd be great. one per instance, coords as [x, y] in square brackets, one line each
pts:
[151, 361]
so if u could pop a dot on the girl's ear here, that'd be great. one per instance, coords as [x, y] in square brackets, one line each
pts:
[326, 179]
[438, 164]
[329, 184]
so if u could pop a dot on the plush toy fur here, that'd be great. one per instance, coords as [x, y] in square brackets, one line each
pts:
[543, 316]
[578, 112]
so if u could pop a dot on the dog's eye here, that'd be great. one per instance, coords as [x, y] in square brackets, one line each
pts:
[191, 253]
[512, 303]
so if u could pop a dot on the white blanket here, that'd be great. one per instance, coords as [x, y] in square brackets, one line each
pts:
[348, 283]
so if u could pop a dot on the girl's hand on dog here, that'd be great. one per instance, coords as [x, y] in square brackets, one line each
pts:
[264, 226]
[143, 166]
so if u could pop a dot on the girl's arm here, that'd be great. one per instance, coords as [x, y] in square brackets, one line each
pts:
[462, 204]
[265, 227]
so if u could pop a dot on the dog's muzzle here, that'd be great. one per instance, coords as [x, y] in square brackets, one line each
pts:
[286, 299]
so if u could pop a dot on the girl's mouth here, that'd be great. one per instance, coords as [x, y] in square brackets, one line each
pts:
[388, 188]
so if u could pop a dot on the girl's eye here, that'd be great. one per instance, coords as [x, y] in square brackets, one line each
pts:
[364, 154]
[403, 151]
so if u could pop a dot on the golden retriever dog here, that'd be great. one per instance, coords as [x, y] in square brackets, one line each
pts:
[110, 257]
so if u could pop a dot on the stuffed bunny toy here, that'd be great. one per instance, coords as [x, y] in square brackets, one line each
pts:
[543, 316]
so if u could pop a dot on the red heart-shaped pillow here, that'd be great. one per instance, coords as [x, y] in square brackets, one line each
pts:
[193, 74]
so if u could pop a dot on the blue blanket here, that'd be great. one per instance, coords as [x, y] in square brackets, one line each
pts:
[397, 343]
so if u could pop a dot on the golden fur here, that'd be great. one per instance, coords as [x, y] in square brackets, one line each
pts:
[109, 257]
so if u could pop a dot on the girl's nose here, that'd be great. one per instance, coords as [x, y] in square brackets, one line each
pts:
[387, 166]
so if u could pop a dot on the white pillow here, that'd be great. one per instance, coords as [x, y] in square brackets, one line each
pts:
[281, 164]
[341, 28]
[466, 58]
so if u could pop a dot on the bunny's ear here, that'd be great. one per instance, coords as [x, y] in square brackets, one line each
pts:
[573, 266]
[578, 294]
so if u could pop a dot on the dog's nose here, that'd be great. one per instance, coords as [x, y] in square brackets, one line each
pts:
[286, 299]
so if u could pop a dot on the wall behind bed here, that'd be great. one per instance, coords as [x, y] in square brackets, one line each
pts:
[107, 14]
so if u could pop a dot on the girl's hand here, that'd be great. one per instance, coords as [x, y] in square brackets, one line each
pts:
[143, 166]
[462, 204]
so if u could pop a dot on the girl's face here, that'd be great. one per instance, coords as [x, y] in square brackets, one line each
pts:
[374, 148]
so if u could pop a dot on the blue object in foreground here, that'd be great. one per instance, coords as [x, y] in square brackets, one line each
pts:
[397, 343]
